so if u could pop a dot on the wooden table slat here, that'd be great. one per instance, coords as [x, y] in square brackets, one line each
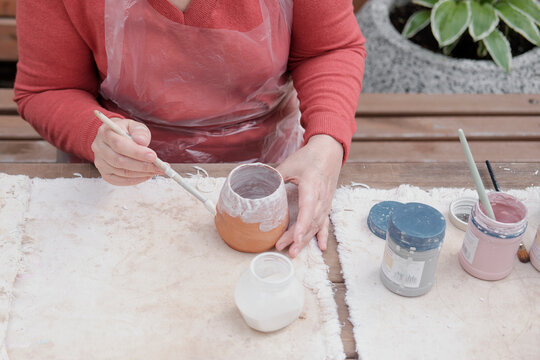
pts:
[7, 105]
[27, 151]
[443, 151]
[7, 7]
[347, 337]
[13, 127]
[376, 175]
[382, 105]
[8, 40]
[450, 104]
[413, 128]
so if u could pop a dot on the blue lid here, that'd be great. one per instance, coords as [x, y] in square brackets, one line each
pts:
[378, 217]
[416, 225]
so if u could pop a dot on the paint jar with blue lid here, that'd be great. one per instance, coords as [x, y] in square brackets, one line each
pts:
[413, 243]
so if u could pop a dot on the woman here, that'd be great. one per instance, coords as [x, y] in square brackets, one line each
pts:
[198, 81]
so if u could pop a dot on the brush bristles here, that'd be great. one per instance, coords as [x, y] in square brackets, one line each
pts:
[523, 254]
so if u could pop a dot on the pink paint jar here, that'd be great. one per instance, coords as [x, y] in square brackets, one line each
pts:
[490, 246]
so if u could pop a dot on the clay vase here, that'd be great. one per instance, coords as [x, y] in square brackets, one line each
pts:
[252, 210]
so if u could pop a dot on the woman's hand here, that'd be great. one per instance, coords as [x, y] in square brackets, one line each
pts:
[123, 161]
[315, 169]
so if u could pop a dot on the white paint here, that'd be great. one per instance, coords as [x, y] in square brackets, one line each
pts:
[256, 193]
[268, 294]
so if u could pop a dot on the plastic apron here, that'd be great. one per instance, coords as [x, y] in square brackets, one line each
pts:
[207, 95]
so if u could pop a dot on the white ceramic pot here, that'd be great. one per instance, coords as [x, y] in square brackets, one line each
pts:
[268, 294]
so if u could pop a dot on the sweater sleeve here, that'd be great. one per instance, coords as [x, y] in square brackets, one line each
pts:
[327, 65]
[57, 83]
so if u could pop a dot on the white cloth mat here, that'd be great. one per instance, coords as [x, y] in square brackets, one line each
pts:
[141, 273]
[14, 194]
[461, 317]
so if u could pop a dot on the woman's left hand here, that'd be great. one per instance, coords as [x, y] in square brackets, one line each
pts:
[315, 169]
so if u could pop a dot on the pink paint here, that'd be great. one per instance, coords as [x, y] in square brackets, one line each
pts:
[507, 209]
[490, 246]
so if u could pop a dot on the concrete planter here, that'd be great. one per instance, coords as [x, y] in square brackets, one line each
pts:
[397, 65]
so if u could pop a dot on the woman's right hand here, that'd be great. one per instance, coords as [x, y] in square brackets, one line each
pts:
[123, 161]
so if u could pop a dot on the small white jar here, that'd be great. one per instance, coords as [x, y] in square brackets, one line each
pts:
[268, 294]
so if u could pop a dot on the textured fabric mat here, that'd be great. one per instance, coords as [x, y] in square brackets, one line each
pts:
[141, 273]
[14, 193]
[461, 317]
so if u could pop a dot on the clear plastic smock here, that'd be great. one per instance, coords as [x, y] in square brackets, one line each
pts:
[207, 95]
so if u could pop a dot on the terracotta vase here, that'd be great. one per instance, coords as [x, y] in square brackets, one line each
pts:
[252, 210]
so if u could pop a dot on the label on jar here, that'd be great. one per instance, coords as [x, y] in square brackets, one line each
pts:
[535, 253]
[470, 243]
[405, 272]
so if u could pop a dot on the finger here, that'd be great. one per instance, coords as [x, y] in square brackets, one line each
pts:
[127, 147]
[298, 245]
[316, 228]
[286, 239]
[120, 176]
[307, 207]
[119, 162]
[322, 235]
[124, 181]
[105, 168]
[139, 133]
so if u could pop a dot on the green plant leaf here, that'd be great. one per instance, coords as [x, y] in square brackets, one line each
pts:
[518, 22]
[449, 19]
[481, 50]
[499, 48]
[425, 3]
[447, 50]
[416, 22]
[531, 8]
[483, 20]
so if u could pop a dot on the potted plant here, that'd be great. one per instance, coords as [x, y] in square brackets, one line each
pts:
[400, 59]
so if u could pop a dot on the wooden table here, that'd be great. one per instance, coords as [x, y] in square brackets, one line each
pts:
[376, 175]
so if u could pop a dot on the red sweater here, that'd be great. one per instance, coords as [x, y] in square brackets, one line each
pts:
[62, 61]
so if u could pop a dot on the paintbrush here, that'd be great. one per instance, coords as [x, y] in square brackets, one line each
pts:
[476, 176]
[522, 254]
[492, 176]
[162, 165]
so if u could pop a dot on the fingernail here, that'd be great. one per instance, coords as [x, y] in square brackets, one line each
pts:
[279, 246]
[149, 157]
[294, 251]
[139, 138]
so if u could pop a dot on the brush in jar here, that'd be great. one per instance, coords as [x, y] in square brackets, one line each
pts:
[522, 254]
